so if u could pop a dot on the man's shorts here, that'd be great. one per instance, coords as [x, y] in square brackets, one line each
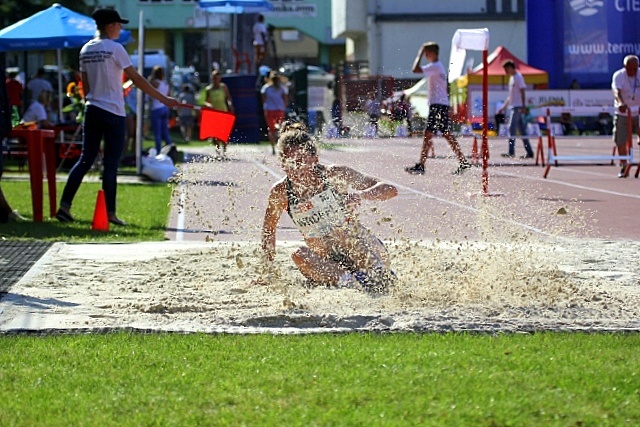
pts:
[438, 119]
[273, 118]
[620, 129]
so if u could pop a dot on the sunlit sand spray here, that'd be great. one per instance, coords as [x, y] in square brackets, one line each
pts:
[505, 261]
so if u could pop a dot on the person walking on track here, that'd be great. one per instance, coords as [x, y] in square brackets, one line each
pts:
[439, 118]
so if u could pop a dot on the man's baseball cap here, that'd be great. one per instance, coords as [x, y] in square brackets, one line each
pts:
[107, 16]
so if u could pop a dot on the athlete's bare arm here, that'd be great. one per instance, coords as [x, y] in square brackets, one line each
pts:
[276, 205]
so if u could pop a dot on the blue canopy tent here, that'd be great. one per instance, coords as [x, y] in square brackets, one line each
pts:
[54, 28]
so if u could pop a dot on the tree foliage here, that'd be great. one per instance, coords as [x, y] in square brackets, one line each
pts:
[12, 11]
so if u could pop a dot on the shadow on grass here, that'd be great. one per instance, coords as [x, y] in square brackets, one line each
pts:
[79, 231]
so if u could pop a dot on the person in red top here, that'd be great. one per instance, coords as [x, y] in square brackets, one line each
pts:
[14, 90]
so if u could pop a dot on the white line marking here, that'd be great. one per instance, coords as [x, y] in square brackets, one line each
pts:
[469, 208]
[181, 213]
[581, 187]
[266, 169]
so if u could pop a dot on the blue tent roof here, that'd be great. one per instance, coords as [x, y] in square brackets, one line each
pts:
[235, 6]
[53, 28]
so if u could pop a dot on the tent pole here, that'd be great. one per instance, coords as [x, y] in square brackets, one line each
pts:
[140, 95]
[209, 59]
[60, 90]
[59, 57]
[485, 124]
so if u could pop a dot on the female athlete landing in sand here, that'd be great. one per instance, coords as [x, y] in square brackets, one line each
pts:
[321, 200]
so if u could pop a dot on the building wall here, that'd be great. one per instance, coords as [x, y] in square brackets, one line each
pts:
[399, 43]
[172, 24]
[394, 30]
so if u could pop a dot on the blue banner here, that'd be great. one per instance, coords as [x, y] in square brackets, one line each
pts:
[585, 37]
[598, 35]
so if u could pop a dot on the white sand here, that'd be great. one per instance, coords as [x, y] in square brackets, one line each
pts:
[567, 284]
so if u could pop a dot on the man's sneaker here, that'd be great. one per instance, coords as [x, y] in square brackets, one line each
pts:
[527, 156]
[461, 168]
[623, 170]
[117, 221]
[508, 155]
[377, 281]
[418, 169]
[64, 216]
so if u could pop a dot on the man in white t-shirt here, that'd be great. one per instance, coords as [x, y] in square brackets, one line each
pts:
[259, 41]
[517, 103]
[626, 95]
[438, 99]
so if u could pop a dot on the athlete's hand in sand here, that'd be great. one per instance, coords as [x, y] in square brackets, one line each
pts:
[266, 271]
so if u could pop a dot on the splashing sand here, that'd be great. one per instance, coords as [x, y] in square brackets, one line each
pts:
[481, 286]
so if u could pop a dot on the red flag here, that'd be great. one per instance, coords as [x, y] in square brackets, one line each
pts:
[216, 124]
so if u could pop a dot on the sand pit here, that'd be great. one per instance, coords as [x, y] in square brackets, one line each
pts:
[558, 284]
[464, 263]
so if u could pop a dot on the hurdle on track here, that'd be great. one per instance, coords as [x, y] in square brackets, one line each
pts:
[553, 158]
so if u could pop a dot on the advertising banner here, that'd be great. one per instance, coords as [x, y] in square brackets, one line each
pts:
[540, 99]
[597, 36]
[585, 37]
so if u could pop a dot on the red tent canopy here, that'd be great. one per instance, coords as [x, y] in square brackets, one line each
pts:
[497, 75]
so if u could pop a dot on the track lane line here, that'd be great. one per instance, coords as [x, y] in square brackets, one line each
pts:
[427, 196]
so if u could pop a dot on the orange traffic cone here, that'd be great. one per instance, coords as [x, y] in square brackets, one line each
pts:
[100, 220]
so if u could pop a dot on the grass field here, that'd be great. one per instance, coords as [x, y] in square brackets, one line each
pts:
[145, 208]
[127, 379]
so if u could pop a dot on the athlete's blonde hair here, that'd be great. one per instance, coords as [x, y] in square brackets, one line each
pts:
[295, 135]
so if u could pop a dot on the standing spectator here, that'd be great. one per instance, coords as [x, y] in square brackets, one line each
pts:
[263, 75]
[626, 95]
[517, 100]
[274, 103]
[185, 115]
[438, 99]
[260, 39]
[131, 110]
[102, 62]
[6, 212]
[37, 84]
[159, 111]
[38, 111]
[14, 90]
[566, 120]
[372, 107]
[218, 97]
[401, 112]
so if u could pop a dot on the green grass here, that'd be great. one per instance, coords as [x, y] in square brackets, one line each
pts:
[145, 208]
[126, 379]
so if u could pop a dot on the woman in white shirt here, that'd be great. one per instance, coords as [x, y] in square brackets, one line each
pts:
[102, 62]
[159, 111]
